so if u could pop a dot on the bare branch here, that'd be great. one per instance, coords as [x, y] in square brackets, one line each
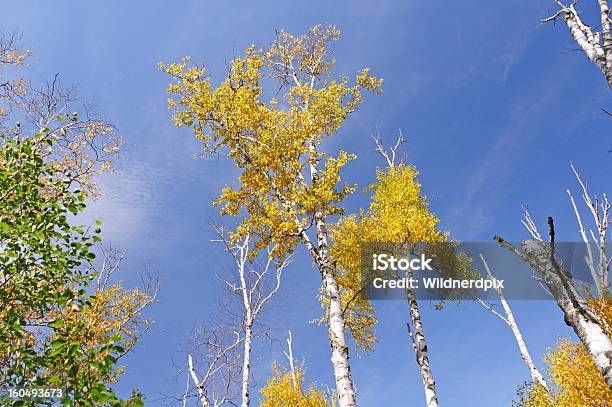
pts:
[530, 224]
[601, 218]
[389, 155]
[290, 358]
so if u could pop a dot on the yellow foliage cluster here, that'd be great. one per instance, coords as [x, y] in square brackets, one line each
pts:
[398, 213]
[577, 381]
[280, 391]
[11, 56]
[88, 151]
[273, 143]
[115, 310]
[112, 310]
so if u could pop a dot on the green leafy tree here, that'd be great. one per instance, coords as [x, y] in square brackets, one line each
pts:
[45, 266]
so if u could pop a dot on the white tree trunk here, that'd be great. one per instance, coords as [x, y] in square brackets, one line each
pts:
[419, 345]
[335, 319]
[607, 38]
[536, 376]
[335, 323]
[588, 39]
[246, 365]
[197, 383]
[577, 314]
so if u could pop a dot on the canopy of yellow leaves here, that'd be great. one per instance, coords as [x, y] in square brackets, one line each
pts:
[273, 143]
[280, 391]
[398, 213]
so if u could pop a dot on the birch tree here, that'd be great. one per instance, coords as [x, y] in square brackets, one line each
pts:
[596, 45]
[541, 256]
[398, 212]
[508, 318]
[255, 285]
[288, 185]
[250, 285]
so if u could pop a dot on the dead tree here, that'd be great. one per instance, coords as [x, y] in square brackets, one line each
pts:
[508, 318]
[596, 45]
[541, 256]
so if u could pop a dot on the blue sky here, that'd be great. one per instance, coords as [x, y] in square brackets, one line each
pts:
[494, 107]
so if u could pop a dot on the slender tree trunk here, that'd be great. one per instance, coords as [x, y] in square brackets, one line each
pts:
[335, 319]
[536, 376]
[246, 364]
[197, 383]
[419, 345]
[335, 322]
[588, 39]
[577, 314]
[584, 37]
[290, 357]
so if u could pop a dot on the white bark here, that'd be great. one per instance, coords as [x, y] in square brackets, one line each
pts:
[587, 39]
[335, 316]
[540, 256]
[254, 284]
[335, 323]
[289, 355]
[419, 344]
[606, 31]
[345, 391]
[197, 382]
[215, 387]
[536, 376]
[254, 295]
[246, 366]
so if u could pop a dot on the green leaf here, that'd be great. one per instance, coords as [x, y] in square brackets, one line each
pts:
[58, 343]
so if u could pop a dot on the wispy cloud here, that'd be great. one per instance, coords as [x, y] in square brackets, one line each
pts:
[490, 178]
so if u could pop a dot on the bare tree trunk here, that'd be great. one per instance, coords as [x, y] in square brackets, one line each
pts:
[290, 357]
[540, 256]
[246, 365]
[419, 345]
[536, 376]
